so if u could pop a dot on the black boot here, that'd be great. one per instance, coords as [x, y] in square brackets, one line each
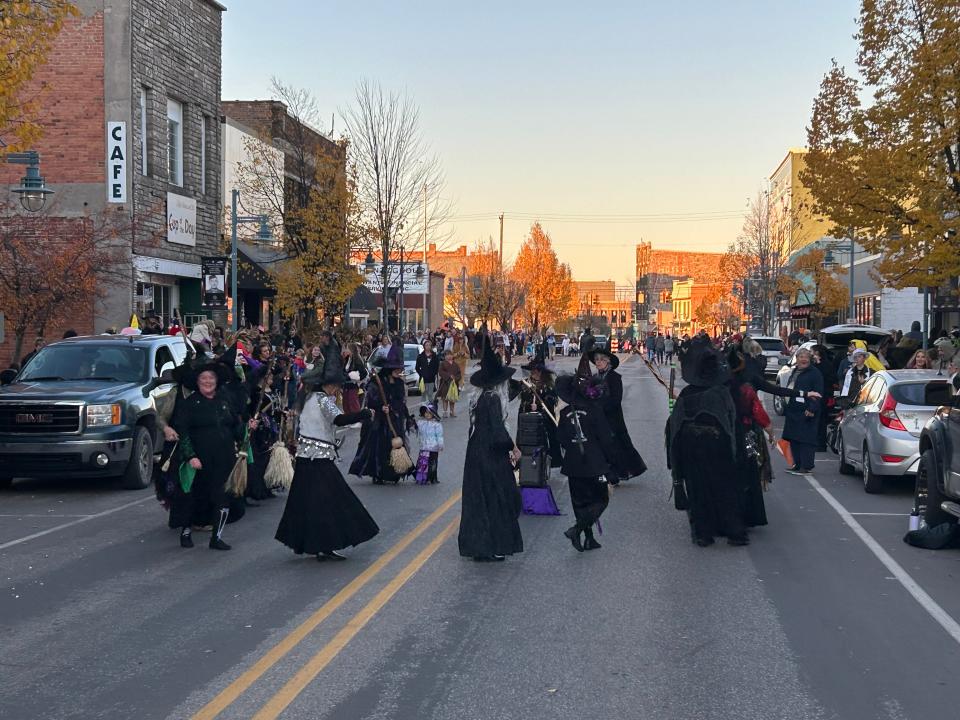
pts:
[186, 538]
[589, 541]
[219, 522]
[573, 535]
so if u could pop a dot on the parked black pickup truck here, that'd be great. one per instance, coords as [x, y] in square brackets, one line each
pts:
[937, 494]
[87, 407]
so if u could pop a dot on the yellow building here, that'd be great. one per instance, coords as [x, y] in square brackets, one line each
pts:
[791, 203]
[604, 302]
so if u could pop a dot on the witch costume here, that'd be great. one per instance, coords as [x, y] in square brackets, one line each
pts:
[489, 526]
[542, 395]
[627, 462]
[210, 430]
[376, 435]
[701, 448]
[322, 514]
[588, 452]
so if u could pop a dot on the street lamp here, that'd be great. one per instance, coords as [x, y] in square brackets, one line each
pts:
[32, 188]
[829, 263]
[263, 235]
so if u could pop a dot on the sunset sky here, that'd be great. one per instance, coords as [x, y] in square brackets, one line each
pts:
[610, 122]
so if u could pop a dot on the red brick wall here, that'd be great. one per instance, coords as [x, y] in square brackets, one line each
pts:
[69, 91]
[701, 267]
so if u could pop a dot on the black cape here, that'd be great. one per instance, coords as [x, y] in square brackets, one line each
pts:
[491, 499]
[627, 461]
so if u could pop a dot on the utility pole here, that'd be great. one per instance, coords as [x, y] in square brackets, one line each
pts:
[501, 243]
[427, 292]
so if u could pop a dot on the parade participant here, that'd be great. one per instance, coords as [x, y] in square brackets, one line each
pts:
[448, 387]
[856, 375]
[701, 447]
[753, 458]
[386, 396]
[430, 434]
[489, 527]
[428, 364]
[356, 371]
[322, 514]
[540, 396]
[627, 461]
[801, 425]
[588, 452]
[209, 429]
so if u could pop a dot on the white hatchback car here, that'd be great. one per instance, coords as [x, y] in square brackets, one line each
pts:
[774, 351]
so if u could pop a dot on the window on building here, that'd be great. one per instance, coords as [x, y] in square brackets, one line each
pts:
[174, 142]
[143, 131]
[204, 129]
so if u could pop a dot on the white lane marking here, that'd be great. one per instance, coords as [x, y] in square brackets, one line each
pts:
[50, 515]
[882, 514]
[83, 519]
[909, 584]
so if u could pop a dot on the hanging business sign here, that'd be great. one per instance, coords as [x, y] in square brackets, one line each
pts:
[181, 219]
[116, 162]
[214, 281]
[413, 282]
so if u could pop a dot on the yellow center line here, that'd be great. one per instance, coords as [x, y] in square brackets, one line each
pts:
[289, 692]
[230, 693]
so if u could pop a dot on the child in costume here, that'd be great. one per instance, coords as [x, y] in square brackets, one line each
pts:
[430, 432]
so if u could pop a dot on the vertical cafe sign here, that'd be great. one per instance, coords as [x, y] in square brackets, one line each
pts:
[116, 162]
[214, 271]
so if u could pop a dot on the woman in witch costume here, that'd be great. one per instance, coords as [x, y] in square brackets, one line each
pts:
[701, 448]
[540, 396]
[209, 428]
[627, 461]
[387, 397]
[489, 526]
[588, 451]
[322, 514]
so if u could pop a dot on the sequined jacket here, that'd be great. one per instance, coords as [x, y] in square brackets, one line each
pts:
[317, 438]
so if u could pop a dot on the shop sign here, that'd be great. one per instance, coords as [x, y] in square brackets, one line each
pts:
[116, 162]
[214, 272]
[181, 219]
[411, 283]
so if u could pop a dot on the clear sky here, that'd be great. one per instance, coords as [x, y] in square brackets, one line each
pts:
[582, 114]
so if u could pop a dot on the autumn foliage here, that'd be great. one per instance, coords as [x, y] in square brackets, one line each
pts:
[27, 31]
[547, 284]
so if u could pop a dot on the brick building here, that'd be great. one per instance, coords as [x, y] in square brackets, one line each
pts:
[129, 110]
[656, 272]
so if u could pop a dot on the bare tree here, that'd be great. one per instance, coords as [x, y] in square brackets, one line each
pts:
[399, 182]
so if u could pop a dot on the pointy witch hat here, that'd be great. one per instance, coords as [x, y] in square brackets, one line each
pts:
[492, 371]
[394, 357]
[539, 361]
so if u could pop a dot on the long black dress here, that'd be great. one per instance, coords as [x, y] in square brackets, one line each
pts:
[491, 499]
[548, 395]
[585, 461]
[373, 451]
[322, 513]
[627, 461]
[209, 429]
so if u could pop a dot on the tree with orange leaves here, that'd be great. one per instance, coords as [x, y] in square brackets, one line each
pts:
[53, 269]
[547, 284]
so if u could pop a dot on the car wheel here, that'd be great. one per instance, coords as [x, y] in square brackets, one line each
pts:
[5, 482]
[926, 494]
[779, 405]
[139, 472]
[845, 467]
[871, 483]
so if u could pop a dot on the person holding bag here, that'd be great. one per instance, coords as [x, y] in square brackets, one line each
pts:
[428, 365]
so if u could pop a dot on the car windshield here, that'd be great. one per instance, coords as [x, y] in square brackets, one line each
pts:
[770, 344]
[82, 361]
[922, 393]
[410, 353]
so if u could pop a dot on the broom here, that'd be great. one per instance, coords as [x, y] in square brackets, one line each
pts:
[279, 472]
[400, 459]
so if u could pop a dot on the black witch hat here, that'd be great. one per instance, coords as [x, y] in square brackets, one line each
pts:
[331, 372]
[614, 360]
[539, 361]
[703, 366]
[492, 371]
[394, 357]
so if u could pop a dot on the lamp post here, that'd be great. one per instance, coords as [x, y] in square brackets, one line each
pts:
[263, 234]
[829, 262]
[32, 188]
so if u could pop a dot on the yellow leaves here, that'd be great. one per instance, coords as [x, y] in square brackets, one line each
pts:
[546, 282]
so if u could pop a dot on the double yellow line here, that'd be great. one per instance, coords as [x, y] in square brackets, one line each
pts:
[318, 662]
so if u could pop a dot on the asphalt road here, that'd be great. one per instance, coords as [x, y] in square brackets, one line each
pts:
[103, 615]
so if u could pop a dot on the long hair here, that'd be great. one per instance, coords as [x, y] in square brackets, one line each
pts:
[502, 391]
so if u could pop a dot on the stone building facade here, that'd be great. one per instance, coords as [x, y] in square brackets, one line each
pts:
[105, 148]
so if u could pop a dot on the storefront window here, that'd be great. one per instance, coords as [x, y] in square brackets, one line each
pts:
[156, 298]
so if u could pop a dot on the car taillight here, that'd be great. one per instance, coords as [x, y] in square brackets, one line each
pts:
[888, 414]
[892, 458]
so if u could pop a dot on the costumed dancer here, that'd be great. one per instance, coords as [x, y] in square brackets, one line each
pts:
[753, 456]
[209, 429]
[489, 526]
[264, 402]
[386, 396]
[356, 371]
[322, 514]
[540, 396]
[588, 451]
[449, 379]
[627, 462]
[701, 448]
[430, 433]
